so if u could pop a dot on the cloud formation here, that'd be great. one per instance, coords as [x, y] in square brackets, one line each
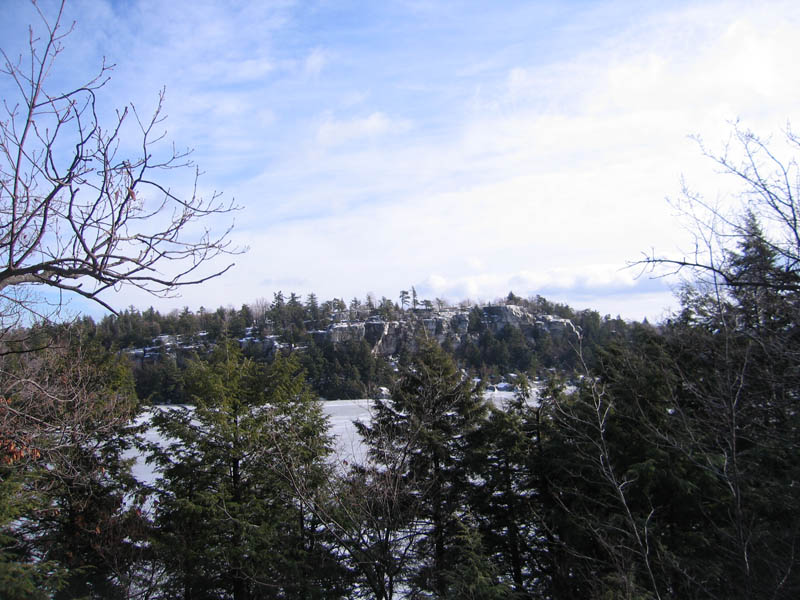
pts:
[333, 132]
[470, 152]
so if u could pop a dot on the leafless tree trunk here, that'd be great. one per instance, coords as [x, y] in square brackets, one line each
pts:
[80, 215]
[372, 513]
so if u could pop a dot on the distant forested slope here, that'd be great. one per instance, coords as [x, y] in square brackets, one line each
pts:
[352, 351]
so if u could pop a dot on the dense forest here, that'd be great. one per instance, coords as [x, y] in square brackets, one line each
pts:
[659, 461]
[664, 466]
[637, 460]
[160, 347]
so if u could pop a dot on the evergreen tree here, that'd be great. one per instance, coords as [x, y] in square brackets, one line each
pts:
[355, 308]
[160, 381]
[404, 298]
[430, 422]
[278, 313]
[668, 472]
[187, 323]
[473, 576]
[387, 309]
[507, 500]
[476, 321]
[313, 312]
[229, 523]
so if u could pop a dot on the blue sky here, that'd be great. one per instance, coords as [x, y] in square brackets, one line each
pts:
[464, 148]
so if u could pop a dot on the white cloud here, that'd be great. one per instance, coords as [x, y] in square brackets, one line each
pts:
[333, 132]
[237, 71]
[316, 61]
[587, 279]
[519, 171]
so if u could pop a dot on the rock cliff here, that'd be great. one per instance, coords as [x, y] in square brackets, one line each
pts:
[387, 338]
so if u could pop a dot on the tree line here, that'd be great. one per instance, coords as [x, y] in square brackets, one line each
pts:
[336, 370]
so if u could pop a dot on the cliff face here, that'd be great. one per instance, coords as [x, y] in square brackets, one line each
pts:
[499, 317]
[387, 338]
[384, 337]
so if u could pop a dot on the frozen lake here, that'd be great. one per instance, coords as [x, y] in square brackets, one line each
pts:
[341, 415]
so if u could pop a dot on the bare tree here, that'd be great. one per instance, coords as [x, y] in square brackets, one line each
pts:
[260, 310]
[769, 193]
[77, 215]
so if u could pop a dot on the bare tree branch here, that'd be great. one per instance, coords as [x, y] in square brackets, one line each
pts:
[76, 215]
[770, 193]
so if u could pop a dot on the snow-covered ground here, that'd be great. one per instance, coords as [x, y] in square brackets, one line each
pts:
[341, 415]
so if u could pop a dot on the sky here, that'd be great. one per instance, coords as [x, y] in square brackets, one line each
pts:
[467, 149]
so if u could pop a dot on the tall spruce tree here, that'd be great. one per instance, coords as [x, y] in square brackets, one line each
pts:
[669, 471]
[506, 497]
[431, 420]
[229, 524]
[473, 576]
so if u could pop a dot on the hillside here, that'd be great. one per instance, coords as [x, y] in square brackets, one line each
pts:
[354, 352]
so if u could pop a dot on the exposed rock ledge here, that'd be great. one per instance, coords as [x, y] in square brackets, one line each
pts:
[387, 338]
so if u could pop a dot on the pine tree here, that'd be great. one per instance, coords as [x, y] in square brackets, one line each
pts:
[229, 523]
[427, 427]
[404, 298]
[506, 501]
[313, 312]
[472, 575]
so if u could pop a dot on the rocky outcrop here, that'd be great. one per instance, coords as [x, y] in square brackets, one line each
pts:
[384, 337]
[498, 318]
[459, 323]
[346, 332]
[555, 326]
[387, 338]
